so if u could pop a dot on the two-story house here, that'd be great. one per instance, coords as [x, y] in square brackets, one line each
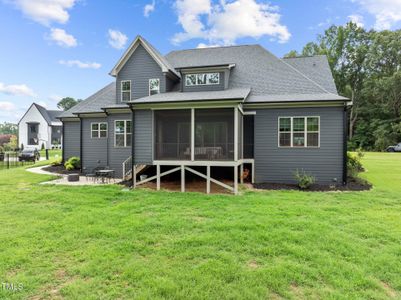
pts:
[40, 128]
[213, 107]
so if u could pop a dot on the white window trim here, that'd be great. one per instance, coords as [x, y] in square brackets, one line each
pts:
[158, 79]
[292, 132]
[125, 133]
[98, 131]
[202, 84]
[130, 90]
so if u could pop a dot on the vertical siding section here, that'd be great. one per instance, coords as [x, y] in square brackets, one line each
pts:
[274, 164]
[139, 68]
[143, 129]
[117, 155]
[71, 139]
[206, 87]
[94, 150]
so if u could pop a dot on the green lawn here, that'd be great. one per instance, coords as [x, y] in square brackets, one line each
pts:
[53, 153]
[107, 243]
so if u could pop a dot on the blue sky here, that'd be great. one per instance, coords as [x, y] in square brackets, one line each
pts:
[56, 48]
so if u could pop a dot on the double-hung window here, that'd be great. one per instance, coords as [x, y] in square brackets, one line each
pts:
[299, 132]
[122, 133]
[154, 86]
[98, 130]
[126, 90]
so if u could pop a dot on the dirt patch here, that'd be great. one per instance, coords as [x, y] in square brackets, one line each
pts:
[253, 264]
[59, 170]
[389, 290]
[352, 185]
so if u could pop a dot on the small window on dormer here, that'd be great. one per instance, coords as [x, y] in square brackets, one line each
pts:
[190, 79]
[202, 79]
[154, 86]
[126, 90]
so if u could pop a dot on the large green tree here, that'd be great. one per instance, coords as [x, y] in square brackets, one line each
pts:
[67, 102]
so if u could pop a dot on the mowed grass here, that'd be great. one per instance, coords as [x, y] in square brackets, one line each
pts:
[107, 243]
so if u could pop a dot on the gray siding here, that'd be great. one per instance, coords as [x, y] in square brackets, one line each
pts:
[139, 68]
[143, 137]
[117, 155]
[94, 150]
[274, 164]
[71, 139]
[202, 88]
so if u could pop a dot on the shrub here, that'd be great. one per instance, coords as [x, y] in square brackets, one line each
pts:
[304, 179]
[74, 162]
[69, 167]
[56, 162]
[354, 164]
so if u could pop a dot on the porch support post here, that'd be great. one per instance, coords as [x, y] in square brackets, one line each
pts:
[182, 178]
[253, 172]
[235, 133]
[241, 173]
[208, 179]
[133, 175]
[236, 180]
[158, 177]
[192, 134]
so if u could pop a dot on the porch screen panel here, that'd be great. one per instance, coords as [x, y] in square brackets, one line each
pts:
[172, 134]
[214, 134]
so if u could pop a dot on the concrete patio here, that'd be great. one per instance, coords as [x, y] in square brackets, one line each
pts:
[62, 180]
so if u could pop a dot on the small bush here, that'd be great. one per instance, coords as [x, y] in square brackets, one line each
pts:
[74, 162]
[69, 167]
[304, 179]
[354, 164]
[56, 162]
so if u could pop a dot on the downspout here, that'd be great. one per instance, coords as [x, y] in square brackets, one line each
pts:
[132, 142]
[80, 142]
[345, 138]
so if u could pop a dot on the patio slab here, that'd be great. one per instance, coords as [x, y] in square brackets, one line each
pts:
[62, 180]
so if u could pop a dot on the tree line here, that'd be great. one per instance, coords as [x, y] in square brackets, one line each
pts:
[366, 66]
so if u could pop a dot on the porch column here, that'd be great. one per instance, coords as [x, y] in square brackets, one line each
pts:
[208, 179]
[192, 134]
[158, 177]
[235, 133]
[182, 178]
[236, 180]
[133, 175]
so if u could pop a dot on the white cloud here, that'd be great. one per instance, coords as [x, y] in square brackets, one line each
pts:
[42, 103]
[386, 12]
[46, 11]
[357, 19]
[203, 45]
[224, 22]
[117, 39]
[7, 106]
[62, 38]
[149, 8]
[16, 90]
[80, 64]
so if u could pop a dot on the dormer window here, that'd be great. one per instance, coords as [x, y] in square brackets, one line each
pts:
[202, 79]
[154, 86]
[126, 90]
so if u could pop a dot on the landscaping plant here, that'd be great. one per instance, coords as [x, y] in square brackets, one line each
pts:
[305, 180]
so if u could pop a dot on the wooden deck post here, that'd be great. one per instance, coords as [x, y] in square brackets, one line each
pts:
[253, 172]
[182, 178]
[236, 180]
[241, 173]
[158, 177]
[134, 176]
[208, 179]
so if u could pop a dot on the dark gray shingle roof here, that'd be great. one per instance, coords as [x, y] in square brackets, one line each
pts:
[49, 115]
[254, 67]
[316, 68]
[102, 98]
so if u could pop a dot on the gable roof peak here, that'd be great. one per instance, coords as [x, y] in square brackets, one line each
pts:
[160, 60]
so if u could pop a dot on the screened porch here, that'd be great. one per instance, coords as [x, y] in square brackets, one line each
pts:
[198, 134]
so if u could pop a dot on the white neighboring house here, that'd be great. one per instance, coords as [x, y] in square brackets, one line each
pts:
[40, 126]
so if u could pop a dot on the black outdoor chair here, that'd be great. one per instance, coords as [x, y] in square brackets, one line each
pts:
[93, 175]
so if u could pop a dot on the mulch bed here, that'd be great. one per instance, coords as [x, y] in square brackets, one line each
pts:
[60, 170]
[352, 185]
